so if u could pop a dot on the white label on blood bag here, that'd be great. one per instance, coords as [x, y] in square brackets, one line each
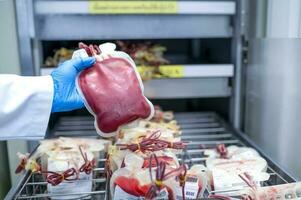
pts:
[191, 188]
[120, 194]
[82, 185]
[224, 180]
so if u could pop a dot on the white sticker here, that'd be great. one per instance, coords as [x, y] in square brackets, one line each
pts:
[224, 180]
[120, 194]
[191, 188]
[83, 184]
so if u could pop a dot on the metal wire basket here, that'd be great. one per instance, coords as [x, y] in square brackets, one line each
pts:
[201, 129]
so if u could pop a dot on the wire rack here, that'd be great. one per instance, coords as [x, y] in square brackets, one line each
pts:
[202, 130]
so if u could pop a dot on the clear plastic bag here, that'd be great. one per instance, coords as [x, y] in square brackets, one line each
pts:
[66, 164]
[196, 181]
[283, 191]
[233, 152]
[112, 89]
[135, 182]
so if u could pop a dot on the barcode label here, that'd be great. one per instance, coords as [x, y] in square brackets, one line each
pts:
[189, 179]
[191, 188]
[190, 193]
[192, 179]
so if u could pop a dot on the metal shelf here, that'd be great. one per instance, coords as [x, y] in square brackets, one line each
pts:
[44, 7]
[187, 88]
[198, 81]
[192, 19]
[189, 71]
[95, 27]
[212, 130]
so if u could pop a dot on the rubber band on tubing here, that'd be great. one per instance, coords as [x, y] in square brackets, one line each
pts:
[158, 183]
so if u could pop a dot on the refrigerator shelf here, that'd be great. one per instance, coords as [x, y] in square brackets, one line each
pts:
[183, 19]
[200, 80]
[211, 130]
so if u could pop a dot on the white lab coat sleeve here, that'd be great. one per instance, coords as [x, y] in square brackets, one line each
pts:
[25, 106]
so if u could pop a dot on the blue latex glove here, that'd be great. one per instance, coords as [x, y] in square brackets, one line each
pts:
[66, 97]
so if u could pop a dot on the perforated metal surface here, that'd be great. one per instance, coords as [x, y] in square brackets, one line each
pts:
[202, 130]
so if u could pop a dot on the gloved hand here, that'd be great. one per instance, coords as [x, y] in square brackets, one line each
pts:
[66, 96]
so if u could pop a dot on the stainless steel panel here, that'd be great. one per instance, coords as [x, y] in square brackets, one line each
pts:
[187, 88]
[211, 86]
[273, 100]
[240, 30]
[25, 33]
[66, 27]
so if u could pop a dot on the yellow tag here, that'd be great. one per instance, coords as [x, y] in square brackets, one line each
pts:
[172, 71]
[112, 150]
[133, 7]
[146, 72]
[144, 69]
[165, 71]
[33, 166]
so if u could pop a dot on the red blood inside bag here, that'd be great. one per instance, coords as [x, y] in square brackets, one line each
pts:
[133, 187]
[113, 91]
